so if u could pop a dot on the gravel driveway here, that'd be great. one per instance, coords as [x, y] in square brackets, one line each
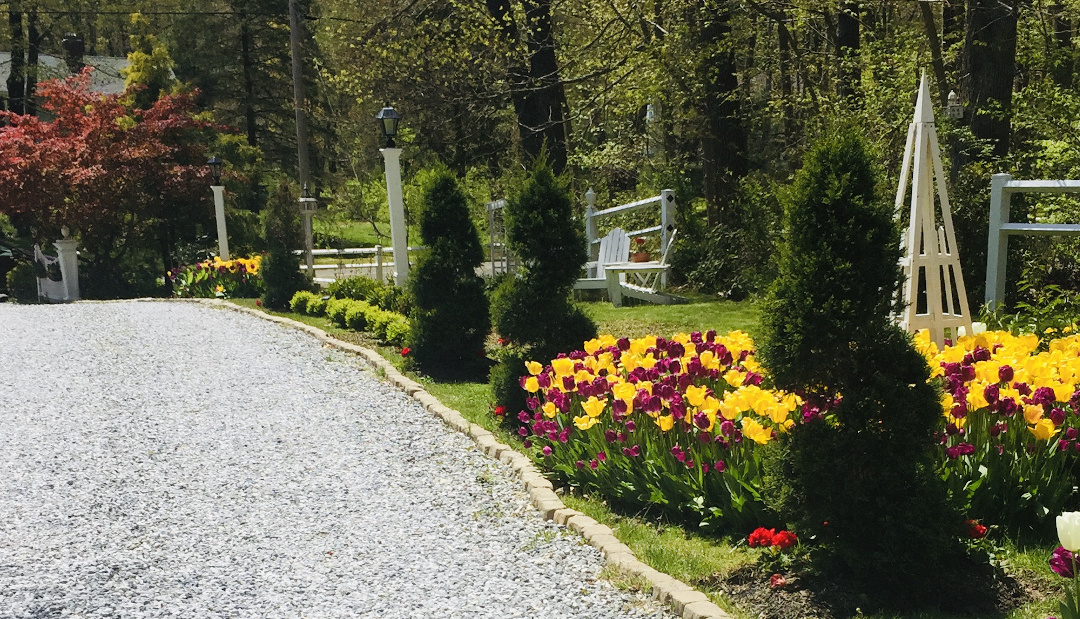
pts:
[167, 459]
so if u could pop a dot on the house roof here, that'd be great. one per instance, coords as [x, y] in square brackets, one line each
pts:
[105, 79]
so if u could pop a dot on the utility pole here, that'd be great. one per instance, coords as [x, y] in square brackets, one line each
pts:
[307, 203]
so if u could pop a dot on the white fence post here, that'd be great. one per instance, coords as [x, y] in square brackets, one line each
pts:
[378, 263]
[590, 224]
[997, 240]
[667, 224]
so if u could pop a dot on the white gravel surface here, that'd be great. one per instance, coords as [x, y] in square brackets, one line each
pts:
[167, 459]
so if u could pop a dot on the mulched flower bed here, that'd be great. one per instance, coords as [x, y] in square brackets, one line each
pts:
[765, 595]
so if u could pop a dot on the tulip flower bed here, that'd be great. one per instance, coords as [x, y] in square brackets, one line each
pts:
[1010, 425]
[672, 425]
[219, 278]
[677, 425]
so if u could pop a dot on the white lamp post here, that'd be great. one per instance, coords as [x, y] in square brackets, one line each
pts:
[307, 209]
[215, 164]
[388, 123]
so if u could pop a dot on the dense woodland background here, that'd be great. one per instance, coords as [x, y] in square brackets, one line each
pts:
[715, 99]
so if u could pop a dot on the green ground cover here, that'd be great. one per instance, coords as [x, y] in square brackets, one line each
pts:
[698, 560]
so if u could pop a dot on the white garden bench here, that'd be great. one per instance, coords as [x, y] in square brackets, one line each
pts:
[640, 280]
[614, 249]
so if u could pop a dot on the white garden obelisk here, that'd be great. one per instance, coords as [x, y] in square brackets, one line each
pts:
[931, 260]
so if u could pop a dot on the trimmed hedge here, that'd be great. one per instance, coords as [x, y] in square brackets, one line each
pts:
[388, 327]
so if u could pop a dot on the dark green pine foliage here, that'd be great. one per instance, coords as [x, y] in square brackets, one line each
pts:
[534, 311]
[450, 319]
[280, 267]
[859, 480]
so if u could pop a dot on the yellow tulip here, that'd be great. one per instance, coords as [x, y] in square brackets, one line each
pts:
[624, 392]
[562, 367]
[734, 377]
[755, 431]
[709, 360]
[584, 422]
[550, 410]
[592, 346]
[532, 385]
[1062, 391]
[648, 361]
[593, 406]
[696, 395]
[533, 367]
[1043, 430]
[1032, 413]
[666, 422]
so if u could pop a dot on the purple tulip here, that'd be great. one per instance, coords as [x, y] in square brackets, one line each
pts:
[1061, 562]
[1005, 373]
[546, 450]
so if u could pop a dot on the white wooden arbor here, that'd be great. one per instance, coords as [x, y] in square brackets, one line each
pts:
[931, 260]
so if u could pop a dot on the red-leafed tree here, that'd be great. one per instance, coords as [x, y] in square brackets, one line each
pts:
[129, 182]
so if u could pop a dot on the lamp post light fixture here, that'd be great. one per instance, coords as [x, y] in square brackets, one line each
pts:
[307, 209]
[215, 163]
[388, 123]
[954, 109]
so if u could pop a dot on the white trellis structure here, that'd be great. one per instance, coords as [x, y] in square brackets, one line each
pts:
[931, 260]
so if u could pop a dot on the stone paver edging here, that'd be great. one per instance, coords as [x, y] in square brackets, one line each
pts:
[686, 601]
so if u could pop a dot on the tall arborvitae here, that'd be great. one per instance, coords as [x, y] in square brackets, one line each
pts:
[534, 311]
[281, 267]
[450, 319]
[859, 470]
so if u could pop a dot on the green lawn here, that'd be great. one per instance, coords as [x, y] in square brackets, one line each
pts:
[692, 558]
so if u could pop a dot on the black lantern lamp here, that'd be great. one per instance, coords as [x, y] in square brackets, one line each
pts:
[215, 164]
[388, 122]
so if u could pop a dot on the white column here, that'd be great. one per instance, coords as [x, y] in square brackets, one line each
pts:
[219, 211]
[398, 233]
[69, 267]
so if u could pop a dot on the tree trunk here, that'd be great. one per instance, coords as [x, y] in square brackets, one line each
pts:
[248, 63]
[547, 98]
[34, 39]
[536, 90]
[724, 140]
[16, 82]
[936, 61]
[1062, 60]
[847, 50]
[989, 66]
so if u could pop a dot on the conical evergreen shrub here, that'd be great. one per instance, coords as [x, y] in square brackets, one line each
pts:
[534, 312]
[280, 268]
[859, 475]
[450, 318]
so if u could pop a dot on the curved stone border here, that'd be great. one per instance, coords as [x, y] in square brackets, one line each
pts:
[686, 601]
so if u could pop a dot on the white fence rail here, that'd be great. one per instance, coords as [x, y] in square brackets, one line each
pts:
[1002, 186]
[374, 262]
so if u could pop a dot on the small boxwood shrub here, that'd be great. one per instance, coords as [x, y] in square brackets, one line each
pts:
[359, 288]
[316, 306]
[300, 300]
[356, 316]
[335, 310]
[22, 283]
